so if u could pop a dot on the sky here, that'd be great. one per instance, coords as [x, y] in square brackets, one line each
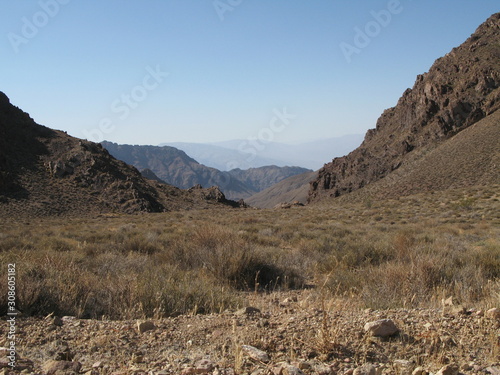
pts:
[154, 71]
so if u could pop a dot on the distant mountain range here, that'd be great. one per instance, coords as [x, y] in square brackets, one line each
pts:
[175, 167]
[243, 154]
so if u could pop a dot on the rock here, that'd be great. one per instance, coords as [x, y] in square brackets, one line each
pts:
[249, 310]
[284, 368]
[203, 366]
[448, 370]
[145, 326]
[404, 366]
[493, 313]
[255, 353]
[493, 370]
[366, 369]
[382, 328]
[419, 371]
[137, 357]
[61, 367]
[188, 371]
[458, 310]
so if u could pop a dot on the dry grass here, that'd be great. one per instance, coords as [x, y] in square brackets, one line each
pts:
[409, 252]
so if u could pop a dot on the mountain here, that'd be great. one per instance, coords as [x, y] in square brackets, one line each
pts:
[459, 90]
[470, 158]
[177, 168]
[289, 190]
[45, 172]
[243, 154]
[222, 158]
[261, 178]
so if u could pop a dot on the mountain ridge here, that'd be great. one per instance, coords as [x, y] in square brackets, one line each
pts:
[46, 172]
[460, 89]
[177, 168]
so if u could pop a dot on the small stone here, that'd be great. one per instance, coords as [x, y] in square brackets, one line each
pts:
[493, 370]
[303, 365]
[57, 321]
[255, 353]
[284, 368]
[419, 371]
[382, 328]
[404, 366]
[366, 369]
[448, 370]
[458, 310]
[145, 326]
[493, 313]
[137, 357]
[61, 367]
[249, 310]
[203, 366]
[188, 371]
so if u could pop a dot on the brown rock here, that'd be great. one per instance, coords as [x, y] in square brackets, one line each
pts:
[381, 328]
[61, 367]
[493, 370]
[145, 326]
[366, 369]
[255, 353]
[203, 366]
[493, 313]
[448, 370]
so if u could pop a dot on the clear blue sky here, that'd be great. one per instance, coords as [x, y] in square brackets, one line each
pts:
[99, 68]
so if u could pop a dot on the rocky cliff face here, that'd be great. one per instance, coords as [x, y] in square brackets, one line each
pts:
[460, 89]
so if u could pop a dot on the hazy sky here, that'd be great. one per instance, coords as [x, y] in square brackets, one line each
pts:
[153, 71]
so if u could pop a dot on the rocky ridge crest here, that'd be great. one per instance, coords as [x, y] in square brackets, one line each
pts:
[460, 89]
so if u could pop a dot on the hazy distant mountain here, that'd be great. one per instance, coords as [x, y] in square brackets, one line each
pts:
[175, 167]
[429, 140]
[244, 154]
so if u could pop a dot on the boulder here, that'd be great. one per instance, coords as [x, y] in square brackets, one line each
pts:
[382, 328]
[255, 353]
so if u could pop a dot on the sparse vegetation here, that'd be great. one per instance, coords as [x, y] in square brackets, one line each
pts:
[408, 252]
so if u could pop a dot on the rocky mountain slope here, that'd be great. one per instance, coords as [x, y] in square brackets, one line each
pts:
[289, 190]
[261, 178]
[460, 89]
[475, 160]
[177, 168]
[46, 172]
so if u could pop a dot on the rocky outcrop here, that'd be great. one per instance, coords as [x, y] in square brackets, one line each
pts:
[460, 89]
[45, 172]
